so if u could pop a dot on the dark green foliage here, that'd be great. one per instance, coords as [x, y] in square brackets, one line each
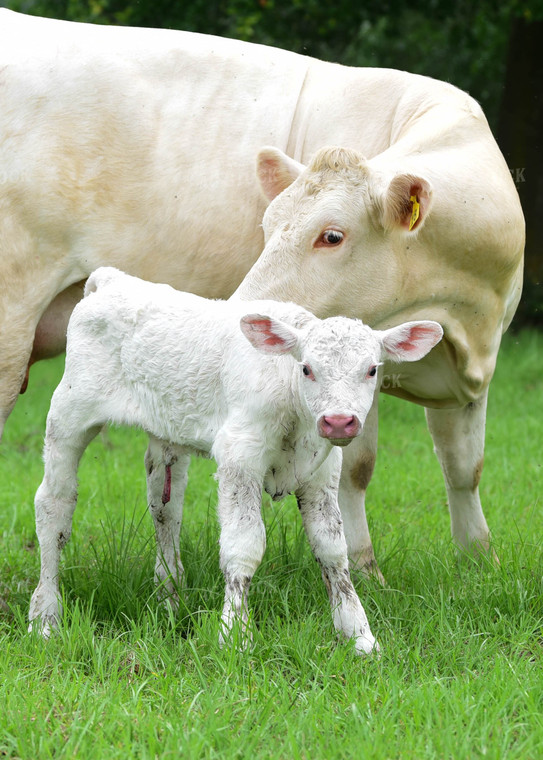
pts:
[463, 43]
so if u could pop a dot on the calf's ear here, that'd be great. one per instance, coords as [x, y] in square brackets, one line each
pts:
[406, 203]
[276, 171]
[268, 335]
[410, 341]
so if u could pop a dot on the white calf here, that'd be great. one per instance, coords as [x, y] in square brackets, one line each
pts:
[180, 367]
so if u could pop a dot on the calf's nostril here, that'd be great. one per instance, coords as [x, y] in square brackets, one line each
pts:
[338, 426]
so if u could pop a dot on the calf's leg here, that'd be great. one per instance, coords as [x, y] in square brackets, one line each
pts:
[167, 470]
[55, 503]
[242, 543]
[458, 436]
[324, 529]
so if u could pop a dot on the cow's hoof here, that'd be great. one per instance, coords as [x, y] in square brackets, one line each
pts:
[368, 567]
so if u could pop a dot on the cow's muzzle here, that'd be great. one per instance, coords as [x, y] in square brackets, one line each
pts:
[339, 429]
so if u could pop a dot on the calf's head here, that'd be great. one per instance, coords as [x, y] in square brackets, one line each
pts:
[339, 362]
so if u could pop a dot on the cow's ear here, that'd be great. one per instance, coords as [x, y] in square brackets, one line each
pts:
[406, 203]
[410, 341]
[276, 171]
[268, 335]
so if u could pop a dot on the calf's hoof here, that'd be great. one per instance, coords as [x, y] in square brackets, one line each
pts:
[367, 645]
[44, 626]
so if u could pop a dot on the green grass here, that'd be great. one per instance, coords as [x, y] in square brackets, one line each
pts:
[461, 673]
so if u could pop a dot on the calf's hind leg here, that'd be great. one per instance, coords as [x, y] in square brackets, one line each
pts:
[167, 467]
[55, 503]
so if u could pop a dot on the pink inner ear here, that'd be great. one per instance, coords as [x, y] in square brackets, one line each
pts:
[399, 207]
[268, 166]
[264, 326]
[418, 332]
[273, 340]
[405, 345]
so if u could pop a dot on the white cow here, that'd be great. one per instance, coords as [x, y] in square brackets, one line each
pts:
[136, 148]
[180, 367]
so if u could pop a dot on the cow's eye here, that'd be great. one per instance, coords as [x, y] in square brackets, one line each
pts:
[329, 239]
[308, 372]
[372, 371]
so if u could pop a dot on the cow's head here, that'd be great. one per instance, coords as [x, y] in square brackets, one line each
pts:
[335, 232]
[339, 362]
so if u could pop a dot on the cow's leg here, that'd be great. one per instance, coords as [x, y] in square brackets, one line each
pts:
[358, 463]
[55, 503]
[242, 543]
[324, 529]
[167, 467]
[458, 436]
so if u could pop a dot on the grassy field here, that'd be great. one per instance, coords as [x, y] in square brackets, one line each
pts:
[461, 674]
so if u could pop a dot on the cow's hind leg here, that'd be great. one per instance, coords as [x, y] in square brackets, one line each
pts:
[167, 466]
[358, 463]
[55, 503]
[458, 436]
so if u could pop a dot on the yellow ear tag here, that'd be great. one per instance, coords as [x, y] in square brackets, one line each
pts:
[415, 213]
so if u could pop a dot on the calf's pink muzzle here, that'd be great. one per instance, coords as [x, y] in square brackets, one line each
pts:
[339, 429]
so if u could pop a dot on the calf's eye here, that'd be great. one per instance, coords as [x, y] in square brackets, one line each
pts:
[329, 239]
[372, 371]
[308, 372]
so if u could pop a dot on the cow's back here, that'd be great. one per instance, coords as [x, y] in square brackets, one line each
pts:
[137, 148]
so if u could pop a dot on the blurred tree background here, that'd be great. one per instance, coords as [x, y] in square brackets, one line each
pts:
[493, 49]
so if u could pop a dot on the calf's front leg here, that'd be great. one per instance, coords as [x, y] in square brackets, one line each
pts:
[242, 543]
[324, 528]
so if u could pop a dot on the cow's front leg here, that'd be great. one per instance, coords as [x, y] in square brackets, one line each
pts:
[167, 467]
[324, 528]
[242, 543]
[358, 463]
[458, 436]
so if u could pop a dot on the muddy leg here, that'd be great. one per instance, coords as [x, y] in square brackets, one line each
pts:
[55, 503]
[167, 471]
[324, 529]
[242, 543]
